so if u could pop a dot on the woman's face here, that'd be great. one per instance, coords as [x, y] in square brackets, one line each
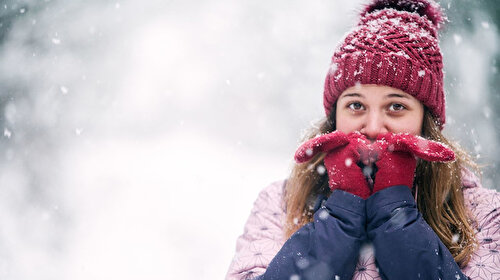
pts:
[375, 109]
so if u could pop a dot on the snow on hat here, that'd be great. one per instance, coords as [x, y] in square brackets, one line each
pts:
[395, 44]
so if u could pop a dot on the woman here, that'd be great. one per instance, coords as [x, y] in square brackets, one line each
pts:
[359, 204]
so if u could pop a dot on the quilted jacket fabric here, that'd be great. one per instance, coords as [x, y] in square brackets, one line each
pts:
[263, 237]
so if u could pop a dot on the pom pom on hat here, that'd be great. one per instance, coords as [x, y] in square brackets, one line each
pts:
[427, 8]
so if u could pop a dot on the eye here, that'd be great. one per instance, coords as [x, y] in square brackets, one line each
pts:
[396, 107]
[356, 106]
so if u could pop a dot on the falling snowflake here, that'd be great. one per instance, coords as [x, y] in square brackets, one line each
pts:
[477, 148]
[302, 263]
[487, 112]
[333, 67]
[64, 89]
[323, 214]
[320, 169]
[7, 133]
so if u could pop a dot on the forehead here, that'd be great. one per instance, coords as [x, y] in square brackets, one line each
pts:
[376, 91]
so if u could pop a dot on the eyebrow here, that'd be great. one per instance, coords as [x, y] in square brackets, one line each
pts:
[396, 95]
[352, 95]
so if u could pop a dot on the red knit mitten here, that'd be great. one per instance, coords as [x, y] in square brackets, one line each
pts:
[341, 161]
[396, 158]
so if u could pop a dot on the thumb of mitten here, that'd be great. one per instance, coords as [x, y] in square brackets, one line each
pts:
[423, 148]
[323, 143]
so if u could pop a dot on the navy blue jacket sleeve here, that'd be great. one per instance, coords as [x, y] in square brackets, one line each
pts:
[405, 246]
[328, 246]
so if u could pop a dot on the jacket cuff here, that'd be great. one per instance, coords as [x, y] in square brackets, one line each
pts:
[346, 201]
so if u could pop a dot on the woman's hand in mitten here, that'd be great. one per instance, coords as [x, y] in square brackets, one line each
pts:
[397, 154]
[341, 160]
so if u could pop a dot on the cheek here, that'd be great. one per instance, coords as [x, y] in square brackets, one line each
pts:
[346, 123]
[412, 125]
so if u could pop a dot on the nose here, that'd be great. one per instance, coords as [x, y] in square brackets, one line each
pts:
[373, 125]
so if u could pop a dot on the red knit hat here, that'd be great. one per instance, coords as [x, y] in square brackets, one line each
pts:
[395, 44]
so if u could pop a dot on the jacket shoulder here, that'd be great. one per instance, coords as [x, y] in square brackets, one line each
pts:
[484, 207]
[263, 234]
[271, 197]
[482, 203]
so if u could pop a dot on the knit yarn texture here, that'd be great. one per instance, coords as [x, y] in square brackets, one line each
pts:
[393, 48]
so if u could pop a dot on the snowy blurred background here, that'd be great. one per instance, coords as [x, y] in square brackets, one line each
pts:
[137, 134]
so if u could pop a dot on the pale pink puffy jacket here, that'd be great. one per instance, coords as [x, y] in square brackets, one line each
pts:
[263, 235]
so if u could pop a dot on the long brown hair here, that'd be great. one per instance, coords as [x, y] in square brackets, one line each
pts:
[440, 198]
